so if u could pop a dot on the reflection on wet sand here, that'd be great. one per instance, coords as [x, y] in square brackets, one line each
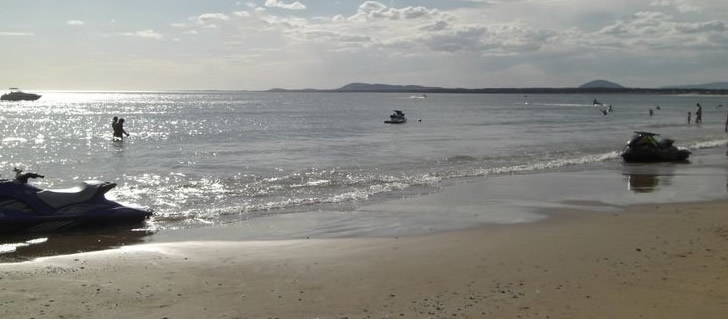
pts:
[646, 178]
[28, 247]
[642, 183]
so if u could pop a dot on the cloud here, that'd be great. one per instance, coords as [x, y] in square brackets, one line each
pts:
[710, 26]
[333, 36]
[243, 14]
[679, 5]
[16, 34]
[402, 31]
[280, 4]
[496, 39]
[373, 10]
[205, 20]
[649, 31]
[75, 22]
[437, 26]
[145, 34]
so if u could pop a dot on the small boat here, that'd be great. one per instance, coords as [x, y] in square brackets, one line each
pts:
[16, 94]
[644, 148]
[396, 118]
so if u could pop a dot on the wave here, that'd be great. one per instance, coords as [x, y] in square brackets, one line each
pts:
[563, 104]
[550, 164]
[707, 144]
[207, 200]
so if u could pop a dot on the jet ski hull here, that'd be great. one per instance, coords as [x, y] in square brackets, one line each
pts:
[649, 156]
[22, 210]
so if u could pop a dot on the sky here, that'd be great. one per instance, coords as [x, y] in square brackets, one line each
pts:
[325, 44]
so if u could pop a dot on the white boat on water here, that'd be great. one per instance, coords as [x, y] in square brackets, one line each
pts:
[16, 94]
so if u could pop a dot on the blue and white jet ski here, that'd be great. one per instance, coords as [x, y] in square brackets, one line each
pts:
[27, 209]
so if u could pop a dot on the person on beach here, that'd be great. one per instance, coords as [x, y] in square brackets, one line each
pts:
[119, 131]
[689, 114]
[698, 114]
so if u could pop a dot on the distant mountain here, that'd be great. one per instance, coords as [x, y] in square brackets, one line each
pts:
[366, 87]
[597, 86]
[601, 84]
[707, 86]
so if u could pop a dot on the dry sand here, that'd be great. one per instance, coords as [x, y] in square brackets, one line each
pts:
[650, 261]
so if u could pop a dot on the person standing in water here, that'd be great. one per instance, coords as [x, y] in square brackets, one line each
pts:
[119, 131]
[698, 114]
[113, 125]
[689, 114]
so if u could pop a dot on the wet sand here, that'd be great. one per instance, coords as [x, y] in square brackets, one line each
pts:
[648, 261]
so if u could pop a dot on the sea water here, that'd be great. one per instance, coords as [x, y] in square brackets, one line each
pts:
[207, 158]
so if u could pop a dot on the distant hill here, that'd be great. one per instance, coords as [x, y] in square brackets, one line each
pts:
[601, 84]
[597, 86]
[366, 87]
[707, 86]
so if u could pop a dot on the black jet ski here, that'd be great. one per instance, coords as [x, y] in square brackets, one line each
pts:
[643, 147]
[396, 118]
[25, 208]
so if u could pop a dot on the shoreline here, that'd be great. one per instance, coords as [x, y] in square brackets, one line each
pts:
[648, 261]
[600, 188]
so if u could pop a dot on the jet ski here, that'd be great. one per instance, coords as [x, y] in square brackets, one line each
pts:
[396, 118]
[25, 208]
[643, 147]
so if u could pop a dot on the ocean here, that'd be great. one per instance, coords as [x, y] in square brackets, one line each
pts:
[208, 158]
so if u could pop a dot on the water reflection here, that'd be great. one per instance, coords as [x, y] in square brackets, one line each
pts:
[648, 178]
[639, 183]
[28, 247]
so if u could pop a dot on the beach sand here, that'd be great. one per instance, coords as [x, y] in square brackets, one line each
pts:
[648, 261]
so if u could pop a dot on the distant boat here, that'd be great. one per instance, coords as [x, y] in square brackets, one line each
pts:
[16, 94]
[396, 118]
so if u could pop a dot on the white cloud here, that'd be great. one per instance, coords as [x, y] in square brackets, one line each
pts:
[145, 34]
[243, 14]
[680, 5]
[335, 37]
[280, 4]
[656, 30]
[75, 22]
[373, 10]
[698, 27]
[205, 20]
[16, 34]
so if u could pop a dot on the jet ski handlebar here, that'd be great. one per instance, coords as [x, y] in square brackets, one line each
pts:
[23, 177]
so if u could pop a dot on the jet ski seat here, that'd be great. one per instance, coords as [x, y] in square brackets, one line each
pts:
[57, 198]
